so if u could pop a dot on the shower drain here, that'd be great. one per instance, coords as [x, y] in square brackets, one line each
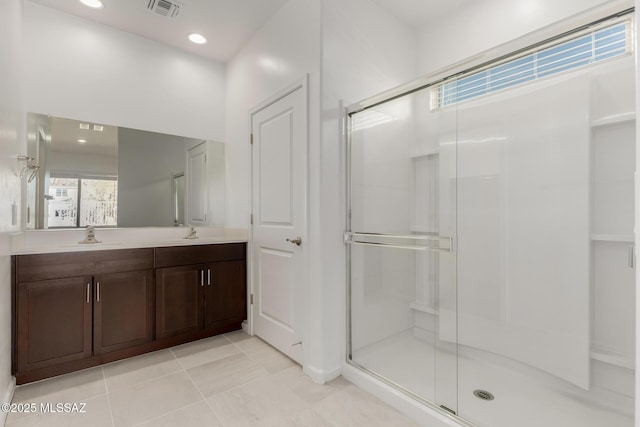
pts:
[483, 394]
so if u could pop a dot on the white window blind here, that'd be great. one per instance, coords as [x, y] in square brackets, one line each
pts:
[600, 44]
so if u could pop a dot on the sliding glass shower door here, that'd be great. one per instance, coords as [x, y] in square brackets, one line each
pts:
[401, 235]
[490, 235]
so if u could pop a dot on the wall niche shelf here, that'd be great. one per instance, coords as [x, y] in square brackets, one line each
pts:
[614, 359]
[423, 153]
[423, 308]
[622, 238]
[614, 119]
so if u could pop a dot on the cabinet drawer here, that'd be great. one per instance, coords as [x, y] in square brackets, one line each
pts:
[31, 268]
[123, 260]
[199, 254]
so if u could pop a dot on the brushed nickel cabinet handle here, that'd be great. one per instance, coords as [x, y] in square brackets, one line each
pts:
[98, 291]
[208, 276]
[88, 293]
[201, 277]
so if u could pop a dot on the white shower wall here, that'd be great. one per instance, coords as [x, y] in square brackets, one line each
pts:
[611, 298]
[523, 225]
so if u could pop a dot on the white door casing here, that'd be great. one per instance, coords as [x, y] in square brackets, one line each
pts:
[279, 220]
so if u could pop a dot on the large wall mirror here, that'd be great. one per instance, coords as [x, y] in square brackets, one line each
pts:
[107, 176]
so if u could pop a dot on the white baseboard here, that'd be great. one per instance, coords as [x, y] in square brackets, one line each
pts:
[245, 327]
[320, 376]
[8, 397]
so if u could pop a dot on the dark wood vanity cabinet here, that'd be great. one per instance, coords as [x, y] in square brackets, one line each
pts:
[207, 293]
[107, 305]
[122, 310]
[178, 301]
[54, 322]
[76, 310]
[224, 301]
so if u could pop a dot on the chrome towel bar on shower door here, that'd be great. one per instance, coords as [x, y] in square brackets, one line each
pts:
[350, 238]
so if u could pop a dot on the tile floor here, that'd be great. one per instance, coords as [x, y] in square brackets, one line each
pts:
[232, 380]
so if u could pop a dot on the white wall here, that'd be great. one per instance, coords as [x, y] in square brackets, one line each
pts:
[285, 50]
[365, 51]
[10, 146]
[75, 68]
[147, 162]
[96, 164]
[281, 53]
[484, 25]
[358, 60]
[637, 221]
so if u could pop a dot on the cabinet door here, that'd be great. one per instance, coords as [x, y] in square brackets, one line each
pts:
[123, 310]
[178, 300]
[54, 322]
[225, 293]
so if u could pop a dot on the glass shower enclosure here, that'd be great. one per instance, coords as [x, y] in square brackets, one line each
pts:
[490, 236]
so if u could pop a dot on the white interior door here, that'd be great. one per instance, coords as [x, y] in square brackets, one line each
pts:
[197, 185]
[279, 174]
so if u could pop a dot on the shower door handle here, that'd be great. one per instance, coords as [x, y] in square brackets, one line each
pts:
[386, 245]
[349, 239]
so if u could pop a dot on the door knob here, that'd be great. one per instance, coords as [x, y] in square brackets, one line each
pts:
[297, 240]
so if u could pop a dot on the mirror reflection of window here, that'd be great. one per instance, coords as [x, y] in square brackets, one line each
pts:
[78, 202]
[99, 202]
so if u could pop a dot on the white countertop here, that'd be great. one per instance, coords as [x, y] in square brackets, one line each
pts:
[64, 240]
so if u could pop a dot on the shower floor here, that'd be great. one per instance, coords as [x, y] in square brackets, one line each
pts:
[521, 399]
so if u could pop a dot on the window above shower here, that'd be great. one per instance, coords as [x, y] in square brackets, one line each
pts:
[606, 41]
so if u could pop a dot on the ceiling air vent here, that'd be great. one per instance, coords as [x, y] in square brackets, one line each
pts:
[164, 7]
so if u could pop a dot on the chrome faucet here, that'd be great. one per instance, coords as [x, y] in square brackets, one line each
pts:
[91, 235]
[192, 233]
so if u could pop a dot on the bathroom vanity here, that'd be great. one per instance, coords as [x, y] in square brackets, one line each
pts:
[85, 307]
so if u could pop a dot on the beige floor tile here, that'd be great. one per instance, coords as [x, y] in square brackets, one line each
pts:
[125, 373]
[251, 344]
[197, 415]
[354, 407]
[144, 401]
[245, 382]
[305, 388]
[69, 388]
[260, 403]
[306, 418]
[270, 358]
[236, 336]
[97, 414]
[311, 392]
[204, 351]
[225, 374]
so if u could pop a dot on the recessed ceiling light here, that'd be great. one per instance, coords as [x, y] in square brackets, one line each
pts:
[84, 126]
[82, 141]
[95, 4]
[197, 38]
[98, 128]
